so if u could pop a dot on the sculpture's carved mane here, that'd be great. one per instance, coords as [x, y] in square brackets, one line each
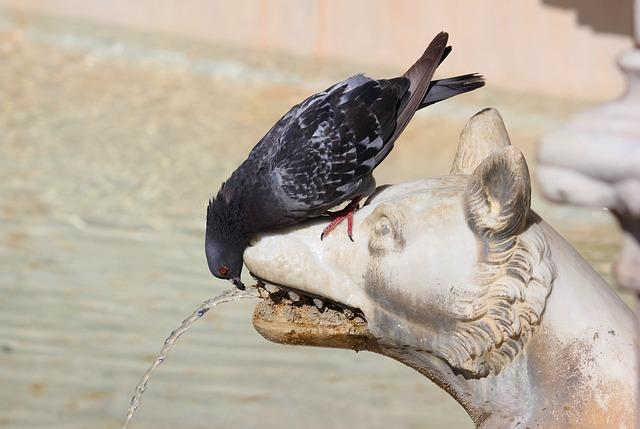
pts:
[515, 278]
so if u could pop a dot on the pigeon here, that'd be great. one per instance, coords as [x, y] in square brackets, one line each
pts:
[321, 154]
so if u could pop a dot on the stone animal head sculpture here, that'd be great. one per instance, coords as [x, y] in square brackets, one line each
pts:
[458, 278]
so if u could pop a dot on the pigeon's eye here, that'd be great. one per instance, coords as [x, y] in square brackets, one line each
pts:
[223, 270]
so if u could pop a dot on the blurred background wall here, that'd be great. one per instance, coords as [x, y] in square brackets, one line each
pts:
[552, 47]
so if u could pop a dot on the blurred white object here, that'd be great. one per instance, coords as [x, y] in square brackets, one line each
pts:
[594, 161]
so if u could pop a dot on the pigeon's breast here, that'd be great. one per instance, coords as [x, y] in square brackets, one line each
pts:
[264, 203]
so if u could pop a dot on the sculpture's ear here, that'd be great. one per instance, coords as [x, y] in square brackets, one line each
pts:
[499, 195]
[482, 135]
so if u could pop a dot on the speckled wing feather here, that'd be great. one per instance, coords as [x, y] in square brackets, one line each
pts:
[331, 141]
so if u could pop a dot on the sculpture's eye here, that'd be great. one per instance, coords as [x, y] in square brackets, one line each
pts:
[383, 226]
[223, 270]
[387, 231]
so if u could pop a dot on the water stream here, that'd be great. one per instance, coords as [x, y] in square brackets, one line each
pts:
[229, 295]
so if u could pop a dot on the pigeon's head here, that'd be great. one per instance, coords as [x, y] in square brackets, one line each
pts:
[225, 242]
[224, 263]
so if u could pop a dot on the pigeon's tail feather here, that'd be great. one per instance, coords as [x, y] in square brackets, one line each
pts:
[445, 88]
[445, 54]
[419, 76]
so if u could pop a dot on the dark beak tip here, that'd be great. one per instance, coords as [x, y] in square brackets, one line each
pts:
[238, 283]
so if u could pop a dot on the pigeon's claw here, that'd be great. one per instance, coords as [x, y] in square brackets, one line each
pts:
[346, 213]
[337, 221]
[350, 225]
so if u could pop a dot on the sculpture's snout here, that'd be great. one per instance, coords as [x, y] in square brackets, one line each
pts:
[284, 260]
[299, 260]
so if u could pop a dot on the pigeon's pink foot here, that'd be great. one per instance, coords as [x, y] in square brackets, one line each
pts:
[346, 213]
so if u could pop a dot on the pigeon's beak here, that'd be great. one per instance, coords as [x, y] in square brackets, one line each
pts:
[237, 282]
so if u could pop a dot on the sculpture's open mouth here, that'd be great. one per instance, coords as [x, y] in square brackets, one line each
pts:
[292, 316]
[296, 297]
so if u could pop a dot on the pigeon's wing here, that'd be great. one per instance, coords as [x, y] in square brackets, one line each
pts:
[330, 142]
